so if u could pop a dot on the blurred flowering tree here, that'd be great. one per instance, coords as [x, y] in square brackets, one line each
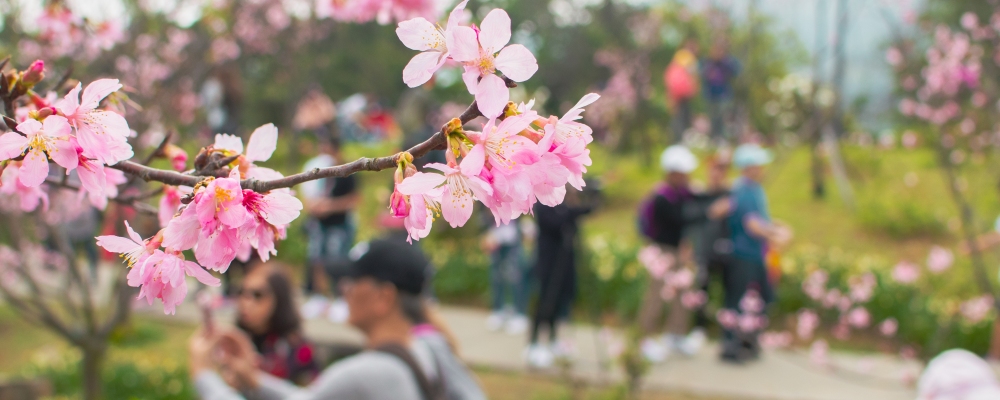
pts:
[66, 139]
[947, 79]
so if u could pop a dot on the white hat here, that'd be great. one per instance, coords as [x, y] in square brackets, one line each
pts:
[749, 155]
[678, 158]
[958, 374]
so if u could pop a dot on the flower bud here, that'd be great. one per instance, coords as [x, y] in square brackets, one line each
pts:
[34, 74]
[399, 205]
[177, 156]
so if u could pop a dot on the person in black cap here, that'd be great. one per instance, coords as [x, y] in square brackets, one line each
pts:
[382, 289]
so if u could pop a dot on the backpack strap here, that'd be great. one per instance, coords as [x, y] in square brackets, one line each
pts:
[429, 390]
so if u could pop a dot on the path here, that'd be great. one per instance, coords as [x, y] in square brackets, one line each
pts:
[778, 375]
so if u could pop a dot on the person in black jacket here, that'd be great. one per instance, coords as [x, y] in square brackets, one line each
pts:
[558, 228]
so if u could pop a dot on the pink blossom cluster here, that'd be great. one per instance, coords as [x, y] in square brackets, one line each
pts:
[481, 50]
[748, 318]
[677, 279]
[61, 33]
[509, 166]
[76, 133]
[222, 222]
[382, 11]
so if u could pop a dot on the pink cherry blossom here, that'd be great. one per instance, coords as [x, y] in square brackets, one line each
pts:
[499, 142]
[977, 309]
[423, 209]
[102, 134]
[815, 284]
[133, 249]
[170, 202]
[42, 140]
[906, 272]
[177, 156]
[752, 302]
[808, 321]
[888, 327]
[727, 318]
[862, 288]
[859, 317]
[221, 204]
[422, 35]
[693, 299]
[269, 215]
[751, 322]
[568, 126]
[462, 186]
[217, 249]
[163, 277]
[29, 197]
[483, 53]
[939, 259]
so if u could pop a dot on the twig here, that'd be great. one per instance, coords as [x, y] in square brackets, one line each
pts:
[131, 201]
[151, 156]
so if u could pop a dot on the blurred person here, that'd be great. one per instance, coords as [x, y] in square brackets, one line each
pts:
[331, 227]
[555, 269]
[385, 281]
[414, 114]
[665, 227]
[508, 274]
[709, 238]
[718, 72]
[266, 312]
[752, 232]
[681, 81]
[958, 374]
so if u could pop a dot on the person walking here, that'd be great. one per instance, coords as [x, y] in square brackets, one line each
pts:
[331, 227]
[508, 274]
[681, 81]
[664, 224]
[717, 73]
[752, 232]
[558, 228]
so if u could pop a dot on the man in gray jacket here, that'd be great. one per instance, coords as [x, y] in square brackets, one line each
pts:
[386, 279]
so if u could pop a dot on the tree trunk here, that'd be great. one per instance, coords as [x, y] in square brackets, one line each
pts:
[968, 233]
[91, 367]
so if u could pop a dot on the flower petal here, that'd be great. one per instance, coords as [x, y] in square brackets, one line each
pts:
[228, 142]
[182, 231]
[517, 63]
[471, 78]
[473, 162]
[281, 208]
[56, 126]
[492, 96]
[92, 177]
[71, 102]
[34, 168]
[494, 32]
[420, 34]
[455, 17]
[574, 113]
[462, 44]
[63, 152]
[421, 68]
[116, 244]
[12, 145]
[29, 127]
[98, 90]
[262, 143]
[456, 206]
[420, 183]
[193, 269]
[131, 233]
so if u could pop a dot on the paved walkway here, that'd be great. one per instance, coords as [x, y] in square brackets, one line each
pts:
[778, 375]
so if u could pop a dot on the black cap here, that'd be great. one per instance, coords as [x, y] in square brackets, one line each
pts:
[391, 261]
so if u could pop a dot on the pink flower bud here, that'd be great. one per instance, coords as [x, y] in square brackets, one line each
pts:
[177, 156]
[34, 74]
[888, 327]
[399, 205]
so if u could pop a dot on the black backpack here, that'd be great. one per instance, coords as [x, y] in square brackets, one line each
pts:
[430, 390]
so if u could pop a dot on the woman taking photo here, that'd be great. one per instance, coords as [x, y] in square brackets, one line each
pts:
[266, 312]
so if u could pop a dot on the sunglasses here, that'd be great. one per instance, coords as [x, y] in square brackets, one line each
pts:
[255, 294]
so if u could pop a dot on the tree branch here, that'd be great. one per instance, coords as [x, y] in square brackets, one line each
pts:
[62, 243]
[123, 307]
[436, 142]
[131, 201]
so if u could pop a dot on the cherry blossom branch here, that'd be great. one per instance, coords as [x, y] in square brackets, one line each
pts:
[435, 142]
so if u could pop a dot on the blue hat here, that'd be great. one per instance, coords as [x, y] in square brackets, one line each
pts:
[749, 155]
